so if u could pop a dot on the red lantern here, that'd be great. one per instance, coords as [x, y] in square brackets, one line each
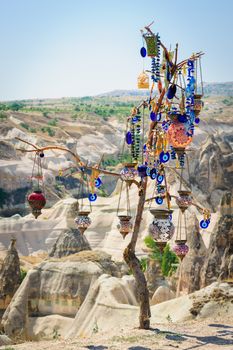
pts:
[177, 135]
[37, 202]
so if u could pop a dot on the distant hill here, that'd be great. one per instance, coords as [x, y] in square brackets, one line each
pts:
[220, 89]
[211, 89]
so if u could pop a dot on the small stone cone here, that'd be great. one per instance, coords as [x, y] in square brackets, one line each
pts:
[9, 275]
[70, 241]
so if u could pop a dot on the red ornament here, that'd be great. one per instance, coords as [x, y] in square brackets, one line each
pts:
[37, 202]
[177, 136]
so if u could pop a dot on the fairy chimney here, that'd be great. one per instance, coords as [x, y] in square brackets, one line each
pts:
[9, 276]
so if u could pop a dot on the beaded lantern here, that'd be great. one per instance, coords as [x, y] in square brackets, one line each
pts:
[37, 202]
[161, 229]
[198, 104]
[184, 200]
[143, 81]
[128, 172]
[125, 225]
[83, 221]
[177, 136]
[180, 248]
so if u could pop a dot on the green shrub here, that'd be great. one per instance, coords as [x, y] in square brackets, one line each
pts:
[25, 126]
[168, 260]
[23, 274]
[16, 106]
[53, 122]
[3, 116]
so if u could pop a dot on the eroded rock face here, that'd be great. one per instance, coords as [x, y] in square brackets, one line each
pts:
[9, 276]
[57, 286]
[219, 260]
[212, 168]
[163, 293]
[69, 242]
[189, 270]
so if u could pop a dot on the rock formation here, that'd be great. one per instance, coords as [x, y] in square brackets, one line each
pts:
[9, 276]
[56, 287]
[211, 168]
[70, 241]
[162, 293]
[219, 260]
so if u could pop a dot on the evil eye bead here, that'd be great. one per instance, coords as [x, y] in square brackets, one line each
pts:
[197, 120]
[158, 117]
[159, 178]
[153, 116]
[143, 52]
[135, 119]
[98, 182]
[164, 157]
[92, 197]
[42, 155]
[204, 224]
[159, 200]
[153, 174]
[128, 138]
[148, 171]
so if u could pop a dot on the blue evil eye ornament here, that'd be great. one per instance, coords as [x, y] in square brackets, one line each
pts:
[92, 197]
[98, 182]
[153, 116]
[159, 200]
[164, 157]
[143, 51]
[159, 178]
[128, 138]
[171, 91]
[135, 119]
[204, 223]
[158, 117]
[142, 170]
[182, 118]
[197, 120]
[153, 174]
[148, 171]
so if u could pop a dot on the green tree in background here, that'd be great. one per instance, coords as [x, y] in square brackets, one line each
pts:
[168, 260]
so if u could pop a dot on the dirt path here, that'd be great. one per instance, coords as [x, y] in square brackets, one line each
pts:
[211, 335]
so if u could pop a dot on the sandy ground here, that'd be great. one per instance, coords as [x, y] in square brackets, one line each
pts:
[212, 335]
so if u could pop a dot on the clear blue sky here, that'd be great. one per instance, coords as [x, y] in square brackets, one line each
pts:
[56, 48]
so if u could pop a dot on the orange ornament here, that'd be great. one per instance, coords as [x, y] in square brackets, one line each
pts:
[177, 135]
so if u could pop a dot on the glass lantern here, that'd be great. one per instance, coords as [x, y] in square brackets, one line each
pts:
[180, 248]
[83, 221]
[128, 172]
[161, 229]
[184, 200]
[125, 225]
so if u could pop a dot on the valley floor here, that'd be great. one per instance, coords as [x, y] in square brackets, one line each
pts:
[208, 334]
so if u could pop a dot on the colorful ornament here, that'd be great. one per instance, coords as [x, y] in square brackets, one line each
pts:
[177, 136]
[37, 202]
[125, 225]
[83, 221]
[128, 172]
[143, 81]
[184, 200]
[180, 249]
[161, 229]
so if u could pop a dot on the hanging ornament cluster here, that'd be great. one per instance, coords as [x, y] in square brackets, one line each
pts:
[37, 199]
[82, 220]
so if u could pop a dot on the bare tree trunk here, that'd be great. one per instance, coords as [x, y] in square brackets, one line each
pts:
[134, 264]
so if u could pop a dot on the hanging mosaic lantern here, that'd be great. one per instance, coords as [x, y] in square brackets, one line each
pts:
[161, 229]
[177, 135]
[152, 45]
[180, 249]
[128, 172]
[83, 221]
[184, 200]
[37, 202]
[143, 81]
[125, 225]
[198, 104]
